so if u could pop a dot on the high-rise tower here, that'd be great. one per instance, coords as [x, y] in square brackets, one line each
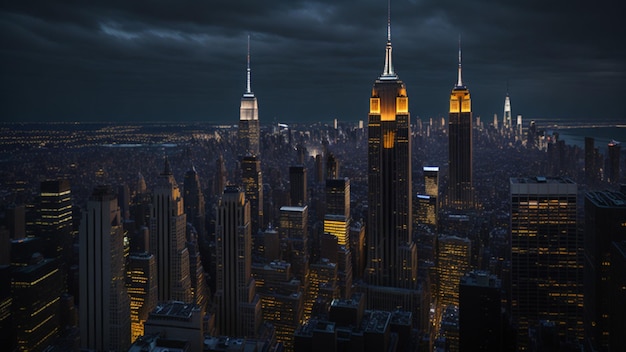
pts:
[238, 306]
[167, 239]
[506, 119]
[389, 180]
[546, 257]
[460, 189]
[104, 301]
[253, 186]
[248, 132]
[194, 201]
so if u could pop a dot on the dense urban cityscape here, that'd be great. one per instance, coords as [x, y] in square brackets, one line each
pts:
[395, 233]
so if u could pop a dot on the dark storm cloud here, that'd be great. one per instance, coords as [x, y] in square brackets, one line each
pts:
[311, 60]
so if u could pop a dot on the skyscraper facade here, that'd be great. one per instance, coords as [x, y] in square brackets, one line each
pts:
[194, 201]
[453, 262]
[36, 290]
[141, 282]
[248, 133]
[506, 118]
[546, 257]
[612, 169]
[167, 239]
[605, 222]
[238, 306]
[253, 186]
[389, 224]
[104, 302]
[460, 187]
[55, 219]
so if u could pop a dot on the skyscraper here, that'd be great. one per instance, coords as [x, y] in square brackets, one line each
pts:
[141, 281]
[389, 225]
[253, 186]
[248, 132]
[546, 256]
[167, 239]
[104, 302]
[194, 201]
[298, 185]
[55, 219]
[605, 215]
[238, 306]
[453, 262]
[480, 312]
[460, 187]
[36, 289]
[612, 170]
[506, 118]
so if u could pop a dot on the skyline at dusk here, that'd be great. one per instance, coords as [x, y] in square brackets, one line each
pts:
[311, 60]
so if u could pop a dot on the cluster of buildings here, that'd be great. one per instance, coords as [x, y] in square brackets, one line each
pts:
[160, 271]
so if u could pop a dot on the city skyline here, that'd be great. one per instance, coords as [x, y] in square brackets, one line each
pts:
[312, 61]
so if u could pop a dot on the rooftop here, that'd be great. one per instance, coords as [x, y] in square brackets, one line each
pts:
[174, 309]
[609, 199]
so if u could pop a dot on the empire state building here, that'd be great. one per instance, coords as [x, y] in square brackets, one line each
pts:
[460, 189]
[248, 133]
[392, 256]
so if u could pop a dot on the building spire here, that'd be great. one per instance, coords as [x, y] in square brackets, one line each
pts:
[459, 83]
[388, 69]
[248, 85]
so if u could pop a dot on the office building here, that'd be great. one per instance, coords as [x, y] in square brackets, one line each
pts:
[592, 167]
[36, 289]
[392, 255]
[453, 262]
[282, 299]
[104, 303]
[426, 210]
[546, 257]
[480, 312]
[141, 283]
[605, 216]
[55, 219]
[238, 306]
[252, 180]
[248, 133]
[460, 186]
[612, 170]
[294, 237]
[167, 239]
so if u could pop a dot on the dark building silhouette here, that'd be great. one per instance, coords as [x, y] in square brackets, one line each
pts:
[605, 219]
[168, 225]
[238, 306]
[460, 186]
[617, 321]
[252, 180]
[592, 167]
[298, 185]
[612, 170]
[193, 199]
[480, 312]
[104, 301]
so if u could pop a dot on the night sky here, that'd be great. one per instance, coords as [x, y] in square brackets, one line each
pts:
[142, 61]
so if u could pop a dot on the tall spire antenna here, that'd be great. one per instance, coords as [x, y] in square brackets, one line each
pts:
[388, 69]
[248, 88]
[459, 83]
[389, 21]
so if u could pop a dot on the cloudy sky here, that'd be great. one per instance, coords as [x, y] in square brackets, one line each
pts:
[311, 60]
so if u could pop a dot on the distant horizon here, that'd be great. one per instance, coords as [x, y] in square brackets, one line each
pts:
[147, 61]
